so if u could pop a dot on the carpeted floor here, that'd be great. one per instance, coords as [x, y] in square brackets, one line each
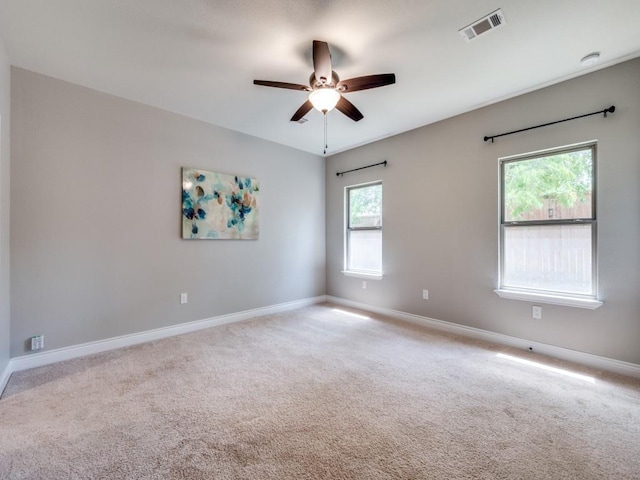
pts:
[317, 393]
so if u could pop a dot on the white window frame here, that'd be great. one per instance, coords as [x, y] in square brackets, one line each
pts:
[364, 274]
[588, 301]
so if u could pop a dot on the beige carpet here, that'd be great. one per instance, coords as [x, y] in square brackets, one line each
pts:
[317, 394]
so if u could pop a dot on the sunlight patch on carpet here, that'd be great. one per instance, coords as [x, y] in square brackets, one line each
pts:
[548, 368]
[351, 314]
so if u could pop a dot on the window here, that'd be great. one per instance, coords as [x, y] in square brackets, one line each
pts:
[363, 237]
[548, 226]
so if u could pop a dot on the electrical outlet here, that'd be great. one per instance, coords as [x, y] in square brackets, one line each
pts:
[536, 312]
[425, 294]
[37, 342]
[364, 284]
[183, 298]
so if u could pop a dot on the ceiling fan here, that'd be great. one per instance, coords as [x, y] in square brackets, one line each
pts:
[326, 89]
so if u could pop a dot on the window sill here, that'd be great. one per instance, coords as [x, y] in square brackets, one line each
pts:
[587, 303]
[365, 276]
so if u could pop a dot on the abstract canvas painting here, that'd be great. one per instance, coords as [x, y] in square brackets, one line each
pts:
[219, 206]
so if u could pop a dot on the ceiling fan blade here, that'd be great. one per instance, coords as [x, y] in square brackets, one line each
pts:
[349, 109]
[302, 111]
[364, 83]
[290, 86]
[322, 61]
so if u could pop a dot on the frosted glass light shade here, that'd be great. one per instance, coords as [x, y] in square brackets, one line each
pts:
[324, 99]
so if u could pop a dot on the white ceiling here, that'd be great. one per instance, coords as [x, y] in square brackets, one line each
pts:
[199, 57]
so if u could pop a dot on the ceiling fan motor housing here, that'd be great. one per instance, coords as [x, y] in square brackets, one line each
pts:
[316, 84]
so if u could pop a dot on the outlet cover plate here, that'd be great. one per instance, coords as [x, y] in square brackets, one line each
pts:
[37, 342]
[536, 312]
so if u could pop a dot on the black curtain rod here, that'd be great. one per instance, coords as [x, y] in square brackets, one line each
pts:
[611, 109]
[361, 168]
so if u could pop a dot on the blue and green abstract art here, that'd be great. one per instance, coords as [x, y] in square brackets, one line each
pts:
[219, 206]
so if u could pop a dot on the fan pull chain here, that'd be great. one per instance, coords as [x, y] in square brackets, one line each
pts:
[326, 145]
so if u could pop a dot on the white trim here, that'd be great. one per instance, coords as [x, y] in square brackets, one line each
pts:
[590, 360]
[66, 353]
[4, 377]
[551, 150]
[588, 303]
[366, 276]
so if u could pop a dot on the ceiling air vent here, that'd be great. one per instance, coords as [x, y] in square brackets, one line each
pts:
[493, 20]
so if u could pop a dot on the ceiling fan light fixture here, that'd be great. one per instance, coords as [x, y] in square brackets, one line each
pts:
[324, 99]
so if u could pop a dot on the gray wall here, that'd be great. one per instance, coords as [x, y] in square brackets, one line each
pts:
[4, 207]
[440, 202]
[95, 218]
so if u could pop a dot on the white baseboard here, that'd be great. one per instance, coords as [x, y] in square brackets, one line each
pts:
[593, 361]
[40, 359]
[4, 377]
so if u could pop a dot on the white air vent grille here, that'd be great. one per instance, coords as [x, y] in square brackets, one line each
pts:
[485, 24]
[496, 19]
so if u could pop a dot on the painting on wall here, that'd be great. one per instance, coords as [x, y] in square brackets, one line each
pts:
[219, 206]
